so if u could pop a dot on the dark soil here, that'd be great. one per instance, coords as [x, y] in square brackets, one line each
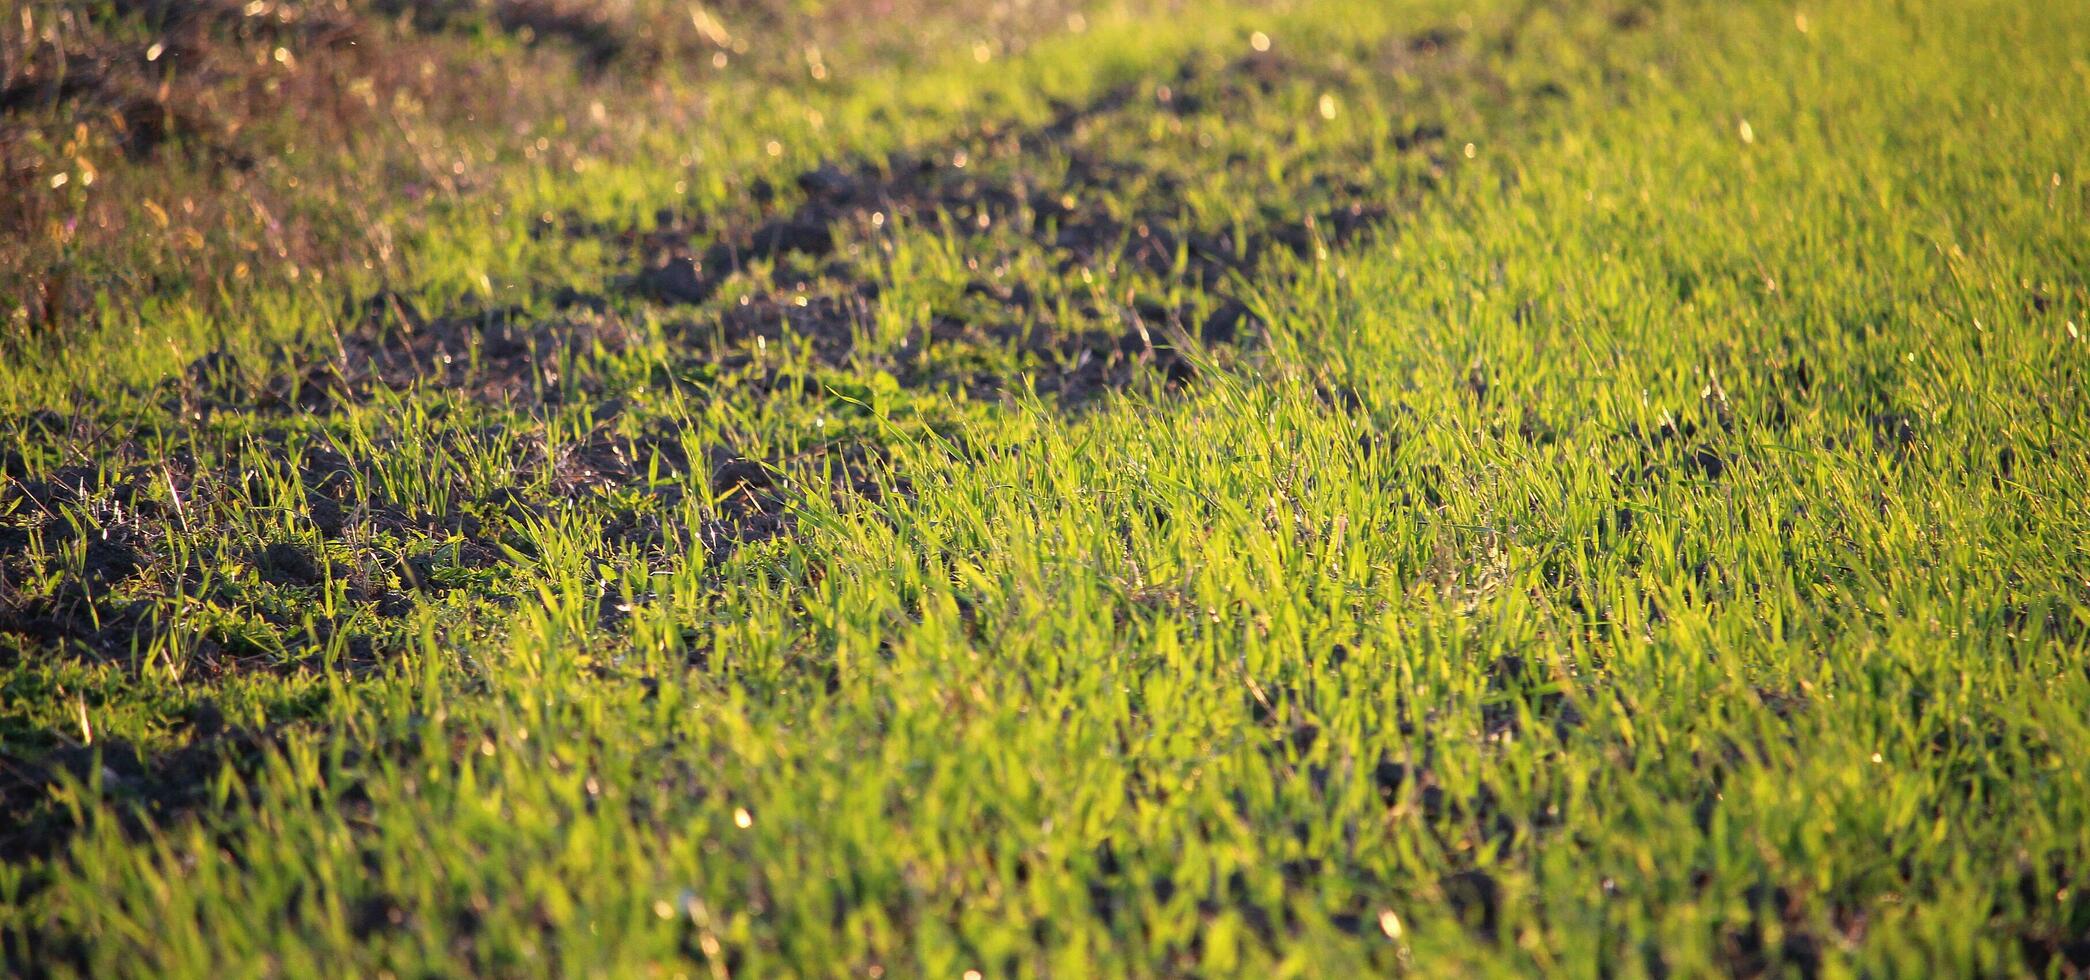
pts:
[1005, 192]
[1085, 190]
[157, 787]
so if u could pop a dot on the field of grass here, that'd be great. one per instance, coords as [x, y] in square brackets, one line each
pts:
[894, 488]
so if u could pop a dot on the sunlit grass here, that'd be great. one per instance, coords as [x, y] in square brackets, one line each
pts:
[1654, 549]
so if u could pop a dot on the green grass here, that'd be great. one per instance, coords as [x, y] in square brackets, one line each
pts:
[1654, 548]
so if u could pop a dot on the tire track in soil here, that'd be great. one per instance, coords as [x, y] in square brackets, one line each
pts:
[1005, 194]
[1059, 189]
[1051, 184]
